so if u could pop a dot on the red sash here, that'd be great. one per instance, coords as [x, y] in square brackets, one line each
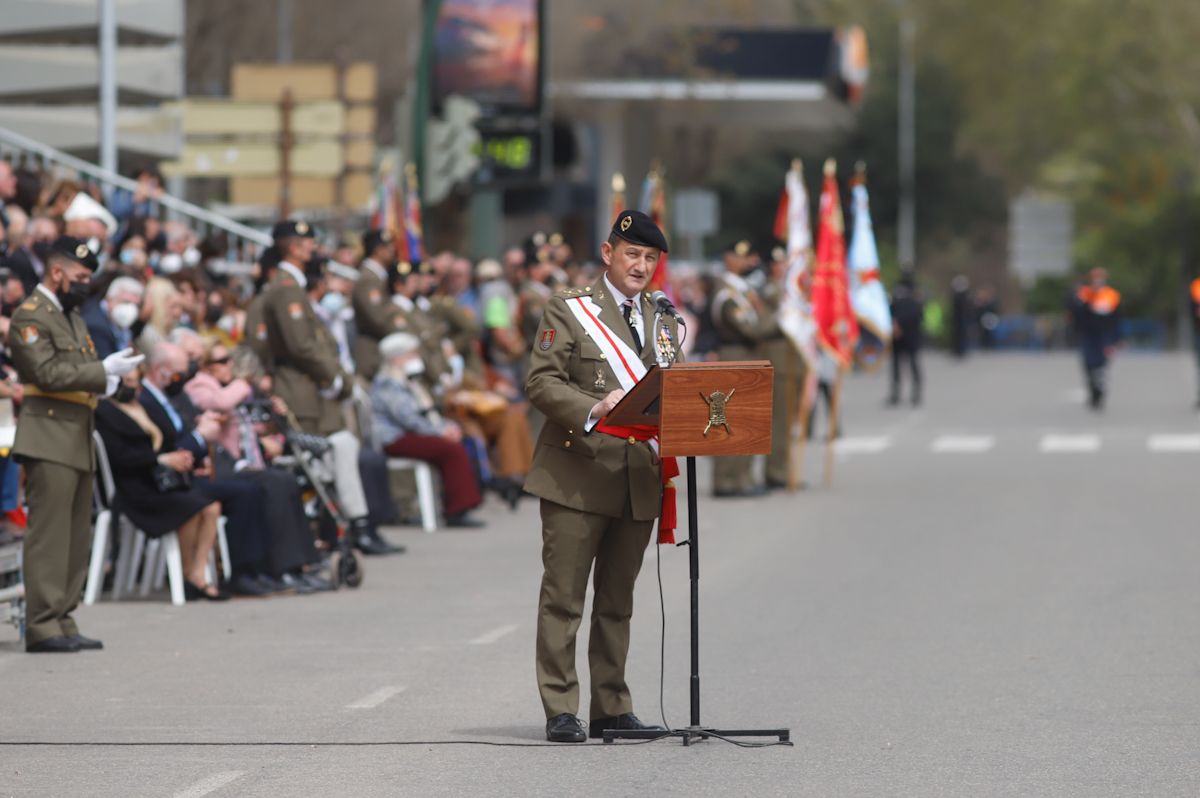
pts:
[668, 517]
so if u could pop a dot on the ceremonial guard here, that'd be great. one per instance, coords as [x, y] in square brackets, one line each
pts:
[601, 487]
[57, 363]
[375, 315]
[790, 374]
[308, 374]
[1096, 307]
[743, 322]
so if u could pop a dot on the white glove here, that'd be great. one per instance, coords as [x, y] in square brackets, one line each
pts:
[118, 364]
[334, 388]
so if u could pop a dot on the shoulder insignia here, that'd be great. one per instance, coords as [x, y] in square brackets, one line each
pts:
[30, 305]
[375, 296]
[30, 334]
[288, 280]
[547, 340]
[295, 311]
[260, 331]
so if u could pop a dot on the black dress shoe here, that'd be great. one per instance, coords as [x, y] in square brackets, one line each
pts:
[623, 722]
[464, 521]
[53, 645]
[85, 643]
[369, 545]
[565, 728]
[246, 586]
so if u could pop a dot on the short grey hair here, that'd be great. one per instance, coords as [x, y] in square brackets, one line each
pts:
[125, 285]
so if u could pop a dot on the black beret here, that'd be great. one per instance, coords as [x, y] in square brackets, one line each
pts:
[75, 250]
[638, 228]
[292, 228]
[374, 239]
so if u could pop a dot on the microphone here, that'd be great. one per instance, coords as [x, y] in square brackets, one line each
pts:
[665, 306]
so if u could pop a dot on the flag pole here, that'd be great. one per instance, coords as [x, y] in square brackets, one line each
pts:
[835, 422]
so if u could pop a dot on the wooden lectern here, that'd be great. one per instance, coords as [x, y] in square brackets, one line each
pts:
[701, 409]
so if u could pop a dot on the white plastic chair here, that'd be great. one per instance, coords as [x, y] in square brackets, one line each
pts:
[134, 543]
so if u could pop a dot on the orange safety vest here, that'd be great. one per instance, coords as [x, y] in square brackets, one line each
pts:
[1196, 291]
[1103, 300]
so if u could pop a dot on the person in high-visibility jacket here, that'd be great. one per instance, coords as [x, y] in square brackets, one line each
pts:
[1096, 307]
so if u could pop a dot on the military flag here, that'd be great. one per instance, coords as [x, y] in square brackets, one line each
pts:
[837, 328]
[793, 228]
[867, 296]
[414, 235]
[653, 203]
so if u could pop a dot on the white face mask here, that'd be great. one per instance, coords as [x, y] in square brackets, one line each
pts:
[125, 314]
[191, 257]
[170, 263]
[414, 367]
[333, 302]
[226, 324]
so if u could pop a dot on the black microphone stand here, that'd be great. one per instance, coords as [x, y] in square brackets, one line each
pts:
[695, 731]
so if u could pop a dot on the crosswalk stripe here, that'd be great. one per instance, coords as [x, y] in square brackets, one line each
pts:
[1067, 444]
[862, 444]
[962, 444]
[1174, 443]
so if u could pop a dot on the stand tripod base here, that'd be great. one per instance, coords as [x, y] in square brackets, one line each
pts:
[693, 733]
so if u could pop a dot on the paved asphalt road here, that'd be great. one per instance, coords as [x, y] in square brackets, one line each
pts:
[997, 596]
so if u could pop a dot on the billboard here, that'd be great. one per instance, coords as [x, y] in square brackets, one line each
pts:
[490, 52]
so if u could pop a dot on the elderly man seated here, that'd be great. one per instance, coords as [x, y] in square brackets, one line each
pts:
[406, 424]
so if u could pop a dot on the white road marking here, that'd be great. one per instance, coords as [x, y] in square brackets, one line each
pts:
[1069, 444]
[1074, 396]
[962, 444]
[863, 444]
[376, 698]
[210, 785]
[1174, 443]
[487, 638]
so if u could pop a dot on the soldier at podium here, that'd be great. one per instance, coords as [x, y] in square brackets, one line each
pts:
[743, 323]
[600, 494]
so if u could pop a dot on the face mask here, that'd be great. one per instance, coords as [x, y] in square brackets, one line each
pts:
[191, 257]
[152, 259]
[41, 249]
[213, 315]
[226, 324]
[124, 315]
[74, 296]
[125, 394]
[414, 367]
[333, 302]
[193, 370]
[174, 387]
[170, 263]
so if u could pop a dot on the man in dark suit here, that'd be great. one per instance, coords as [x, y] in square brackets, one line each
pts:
[113, 321]
[244, 502]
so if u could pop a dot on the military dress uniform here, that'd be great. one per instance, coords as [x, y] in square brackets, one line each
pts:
[600, 497]
[790, 373]
[741, 327]
[375, 315]
[63, 378]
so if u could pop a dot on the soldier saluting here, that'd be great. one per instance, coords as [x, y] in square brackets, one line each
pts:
[600, 493]
[57, 362]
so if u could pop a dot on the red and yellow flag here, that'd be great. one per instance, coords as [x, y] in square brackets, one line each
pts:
[837, 328]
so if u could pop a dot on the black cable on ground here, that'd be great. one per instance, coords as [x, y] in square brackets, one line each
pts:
[662, 650]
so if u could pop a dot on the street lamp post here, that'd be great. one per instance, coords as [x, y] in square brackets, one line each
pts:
[108, 84]
[907, 143]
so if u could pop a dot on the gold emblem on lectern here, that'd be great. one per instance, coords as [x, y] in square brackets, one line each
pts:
[716, 402]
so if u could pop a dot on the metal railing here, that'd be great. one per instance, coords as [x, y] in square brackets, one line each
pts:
[205, 220]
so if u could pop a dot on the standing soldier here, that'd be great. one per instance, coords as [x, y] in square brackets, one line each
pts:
[56, 361]
[743, 322]
[1096, 308]
[790, 373]
[375, 315]
[908, 319]
[409, 298]
[600, 493]
[308, 375]
[1194, 298]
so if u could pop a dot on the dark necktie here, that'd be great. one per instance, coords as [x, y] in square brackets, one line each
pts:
[627, 310]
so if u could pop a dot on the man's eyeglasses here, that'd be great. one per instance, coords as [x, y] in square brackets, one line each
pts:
[220, 361]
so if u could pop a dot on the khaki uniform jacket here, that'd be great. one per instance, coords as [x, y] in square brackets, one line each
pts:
[463, 330]
[255, 335]
[57, 362]
[588, 471]
[429, 330]
[740, 327]
[776, 346]
[531, 306]
[304, 356]
[375, 317]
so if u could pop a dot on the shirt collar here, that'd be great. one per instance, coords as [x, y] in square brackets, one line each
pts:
[50, 295]
[617, 295]
[155, 392]
[295, 272]
[377, 268]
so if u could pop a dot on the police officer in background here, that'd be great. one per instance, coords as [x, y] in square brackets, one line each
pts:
[308, 374]
[600, 493]
[63, 377]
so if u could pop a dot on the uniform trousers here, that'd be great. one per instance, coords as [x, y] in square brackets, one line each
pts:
[56, 546]
[572, 540]
[785, 400]
[343, 460]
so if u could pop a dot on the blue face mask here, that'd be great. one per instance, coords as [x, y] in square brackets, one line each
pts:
[128, 257]
[334, 303]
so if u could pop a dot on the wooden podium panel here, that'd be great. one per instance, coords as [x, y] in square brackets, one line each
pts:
[686, 412]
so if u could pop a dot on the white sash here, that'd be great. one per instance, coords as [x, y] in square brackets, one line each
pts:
[626, 363]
